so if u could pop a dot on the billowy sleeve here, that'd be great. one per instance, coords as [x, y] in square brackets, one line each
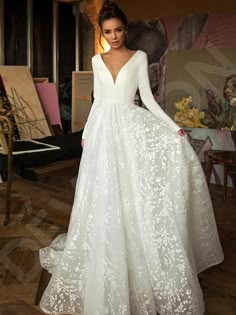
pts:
[147, 96]
[96, 94]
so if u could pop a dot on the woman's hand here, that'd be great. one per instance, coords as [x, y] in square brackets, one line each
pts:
[82, 143]
[181, 132]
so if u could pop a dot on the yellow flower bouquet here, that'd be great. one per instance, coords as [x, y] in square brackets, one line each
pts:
[188, 115]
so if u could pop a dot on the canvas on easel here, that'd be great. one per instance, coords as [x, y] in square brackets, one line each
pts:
[82, 88]
[25, 104]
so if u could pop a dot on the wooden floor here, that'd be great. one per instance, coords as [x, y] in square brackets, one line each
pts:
[41, 210]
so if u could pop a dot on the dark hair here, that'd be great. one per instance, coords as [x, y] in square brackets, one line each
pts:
[110, 10]
[230, 77]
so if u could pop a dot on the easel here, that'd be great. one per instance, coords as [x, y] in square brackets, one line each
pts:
[6, 142]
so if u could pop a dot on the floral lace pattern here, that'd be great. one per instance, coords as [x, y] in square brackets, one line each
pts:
[142, 224]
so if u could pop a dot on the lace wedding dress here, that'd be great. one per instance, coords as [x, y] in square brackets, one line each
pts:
[142, 225]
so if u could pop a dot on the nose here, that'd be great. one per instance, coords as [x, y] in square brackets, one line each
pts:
[228, 90]
[113, 35]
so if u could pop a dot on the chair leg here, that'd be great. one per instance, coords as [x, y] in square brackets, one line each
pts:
[225, 184]
[3, 176]
[209, 170]
[43, 282]
[8, 197]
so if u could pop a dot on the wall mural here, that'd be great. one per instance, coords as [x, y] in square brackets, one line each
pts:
[192, 68]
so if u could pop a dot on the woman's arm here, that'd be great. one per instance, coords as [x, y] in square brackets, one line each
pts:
[148, 99]
[96, 94]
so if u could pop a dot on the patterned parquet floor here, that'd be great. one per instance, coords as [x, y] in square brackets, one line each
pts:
[41, 211]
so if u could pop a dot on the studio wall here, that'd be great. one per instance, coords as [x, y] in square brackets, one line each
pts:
[140, 9]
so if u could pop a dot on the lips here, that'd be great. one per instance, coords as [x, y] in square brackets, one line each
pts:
[115, 43]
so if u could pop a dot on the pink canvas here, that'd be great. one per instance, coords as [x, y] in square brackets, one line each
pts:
[47, 93]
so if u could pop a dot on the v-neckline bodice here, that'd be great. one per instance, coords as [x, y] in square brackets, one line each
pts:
[123, 66]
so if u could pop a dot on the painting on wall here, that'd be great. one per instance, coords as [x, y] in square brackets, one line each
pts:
[201, 88]
[201, 45]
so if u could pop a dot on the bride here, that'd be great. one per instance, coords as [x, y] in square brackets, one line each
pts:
[142, 225]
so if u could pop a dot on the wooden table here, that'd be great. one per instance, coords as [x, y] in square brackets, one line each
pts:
[225, 158]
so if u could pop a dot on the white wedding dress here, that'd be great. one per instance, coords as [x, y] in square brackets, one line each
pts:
[142, 225]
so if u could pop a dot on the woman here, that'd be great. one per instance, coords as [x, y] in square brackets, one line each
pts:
[142, 224]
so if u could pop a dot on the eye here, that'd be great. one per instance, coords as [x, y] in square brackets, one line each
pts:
[120, 29]
[106, 32]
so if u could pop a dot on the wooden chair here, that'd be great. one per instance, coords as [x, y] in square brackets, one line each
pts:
[225, 158]
[61, 151]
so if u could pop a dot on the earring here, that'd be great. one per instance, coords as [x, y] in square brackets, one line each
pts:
[126, 36]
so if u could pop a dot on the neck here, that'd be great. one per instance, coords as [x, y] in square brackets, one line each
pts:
[118, 50]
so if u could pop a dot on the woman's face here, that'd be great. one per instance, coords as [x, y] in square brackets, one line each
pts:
[114, 32]
[230, 90]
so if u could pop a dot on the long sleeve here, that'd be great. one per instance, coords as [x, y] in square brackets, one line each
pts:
[147, 97]
[96, 94]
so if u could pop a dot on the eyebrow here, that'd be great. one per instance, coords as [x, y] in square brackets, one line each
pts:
[108, 29]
